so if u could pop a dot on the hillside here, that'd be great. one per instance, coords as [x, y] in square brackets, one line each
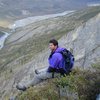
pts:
[27, 48]
[14, 10]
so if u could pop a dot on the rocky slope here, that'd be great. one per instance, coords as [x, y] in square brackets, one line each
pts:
[85, 42]
[27, 48]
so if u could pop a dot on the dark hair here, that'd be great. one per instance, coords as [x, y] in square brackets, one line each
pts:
[55, 42]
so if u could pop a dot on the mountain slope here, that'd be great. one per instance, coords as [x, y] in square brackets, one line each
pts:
[26, 49]
[85, 43]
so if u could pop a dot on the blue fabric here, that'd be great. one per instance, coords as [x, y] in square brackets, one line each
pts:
[56, 61]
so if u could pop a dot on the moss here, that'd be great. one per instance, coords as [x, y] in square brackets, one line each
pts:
[48, 92]
[85, 83]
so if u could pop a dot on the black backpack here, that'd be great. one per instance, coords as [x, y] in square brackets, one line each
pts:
[68, 60]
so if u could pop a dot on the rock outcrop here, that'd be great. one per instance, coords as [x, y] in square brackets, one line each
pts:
[85, 42]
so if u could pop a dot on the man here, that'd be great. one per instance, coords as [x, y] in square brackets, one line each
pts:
[55, 68]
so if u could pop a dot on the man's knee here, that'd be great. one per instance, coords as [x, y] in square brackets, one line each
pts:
[44, 75]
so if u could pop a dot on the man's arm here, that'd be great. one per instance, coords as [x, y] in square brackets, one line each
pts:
[53, 62]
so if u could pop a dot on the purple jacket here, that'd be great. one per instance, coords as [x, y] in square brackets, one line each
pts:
[56, 61]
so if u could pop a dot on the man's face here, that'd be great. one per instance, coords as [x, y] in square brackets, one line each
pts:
[52, 47]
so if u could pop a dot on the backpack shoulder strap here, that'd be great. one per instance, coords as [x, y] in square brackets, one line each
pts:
[51, 55]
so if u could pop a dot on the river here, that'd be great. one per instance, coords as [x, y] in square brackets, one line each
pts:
[29, 20]
[2, 39]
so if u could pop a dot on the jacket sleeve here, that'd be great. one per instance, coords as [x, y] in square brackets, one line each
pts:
[53, 62]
